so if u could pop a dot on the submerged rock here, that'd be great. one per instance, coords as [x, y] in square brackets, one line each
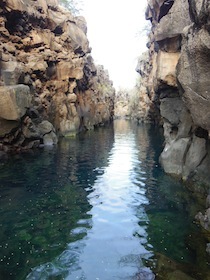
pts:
[178, 275]
[168, 269]
[204, 219]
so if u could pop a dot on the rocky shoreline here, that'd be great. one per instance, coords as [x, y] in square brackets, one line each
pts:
[175, 85]
[49, 84]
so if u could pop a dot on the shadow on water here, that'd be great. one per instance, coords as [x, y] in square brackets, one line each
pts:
[179, 247]
[43, 195]
[97, 207]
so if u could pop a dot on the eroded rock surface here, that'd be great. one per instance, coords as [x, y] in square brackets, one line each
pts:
[176, 78]
[47, 75]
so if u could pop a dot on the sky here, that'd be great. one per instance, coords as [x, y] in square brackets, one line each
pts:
[113, 28]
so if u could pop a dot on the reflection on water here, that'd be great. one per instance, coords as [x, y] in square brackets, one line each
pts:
[113, 243]
[96, 207]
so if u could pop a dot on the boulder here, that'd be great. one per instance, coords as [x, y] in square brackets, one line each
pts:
[172, 157]
[57, 19]
[195, 155]
[177, 121]
[14, 101]
[177, 274]
[204, 219]
[68, 69]
[50, 139]
[45, 127]
[78, 38]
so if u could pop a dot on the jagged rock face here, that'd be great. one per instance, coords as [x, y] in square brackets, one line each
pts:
[145, 106]
[194, 64]
[178, 85]
[168, 19]
[47, 73]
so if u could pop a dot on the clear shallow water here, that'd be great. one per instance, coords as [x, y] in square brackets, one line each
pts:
[96, 207]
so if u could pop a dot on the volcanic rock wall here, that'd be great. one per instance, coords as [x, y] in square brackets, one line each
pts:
[49, 84]
[175, 77]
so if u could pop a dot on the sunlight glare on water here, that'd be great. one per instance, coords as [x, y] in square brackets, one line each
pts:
[111, 249]
[97, 206]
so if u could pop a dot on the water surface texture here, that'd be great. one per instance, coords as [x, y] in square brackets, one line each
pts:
[96, 207]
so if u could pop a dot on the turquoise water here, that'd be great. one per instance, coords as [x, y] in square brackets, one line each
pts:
[98, 206]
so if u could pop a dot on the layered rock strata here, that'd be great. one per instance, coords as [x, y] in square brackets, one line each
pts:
[176, 79]
[49, 84]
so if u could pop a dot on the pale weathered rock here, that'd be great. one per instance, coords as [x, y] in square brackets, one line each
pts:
[143, 107]
[14, 101]
[195, 155]
[72, 97]
[172, 157]
[81, 22]
[69, 127]
[45, 127]
[52, 3]
[57, 19]
[50, 139]
[166, 67]
[78, 38]
[204, 219]
[11, 71]
[66, 70]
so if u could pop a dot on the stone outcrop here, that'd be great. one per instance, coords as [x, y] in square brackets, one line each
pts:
[135, 103]
[49, 84]
[176, 78]
[146, 101]
[123, 101]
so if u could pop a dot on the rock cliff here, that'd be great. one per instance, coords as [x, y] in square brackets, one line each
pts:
[175, 78]
[49, 84]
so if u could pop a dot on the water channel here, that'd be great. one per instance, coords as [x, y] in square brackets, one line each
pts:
[98, 206]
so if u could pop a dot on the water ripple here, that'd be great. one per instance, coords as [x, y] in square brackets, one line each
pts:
[114, 246]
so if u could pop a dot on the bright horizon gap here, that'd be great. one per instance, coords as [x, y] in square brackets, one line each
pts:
[113, 29]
